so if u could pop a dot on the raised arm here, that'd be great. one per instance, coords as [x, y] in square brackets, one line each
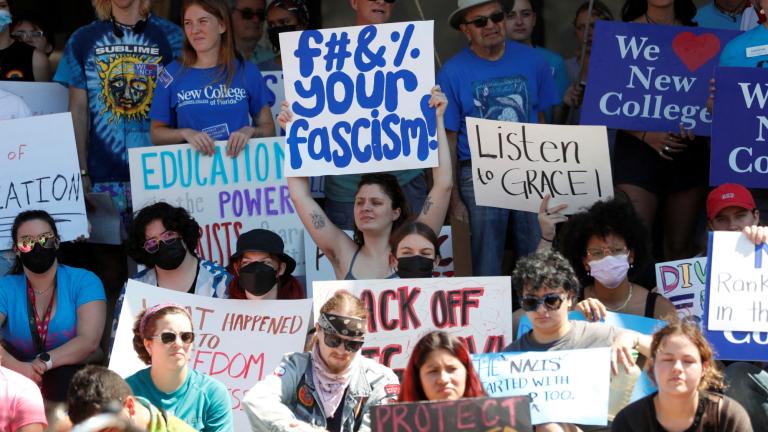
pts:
[436, 203]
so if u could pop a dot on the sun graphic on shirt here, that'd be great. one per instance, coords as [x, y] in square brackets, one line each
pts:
[128, 83]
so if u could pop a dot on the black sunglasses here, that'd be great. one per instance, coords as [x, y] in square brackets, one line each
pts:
[551, 301]
[333, 341]
[248, 13]
[482, 21]
[170, 337]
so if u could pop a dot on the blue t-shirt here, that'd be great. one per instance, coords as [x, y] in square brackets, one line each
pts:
[202, 402]
[120, 76]
[711, 17]
[516, 87]
[74, 288]
[557, 67]
[735, 52]
[198, 99]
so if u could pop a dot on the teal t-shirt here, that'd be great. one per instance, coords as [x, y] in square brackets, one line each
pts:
[202, 402]
[737, 52]
[711, 17]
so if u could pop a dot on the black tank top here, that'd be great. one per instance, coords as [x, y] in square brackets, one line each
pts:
[16, 62]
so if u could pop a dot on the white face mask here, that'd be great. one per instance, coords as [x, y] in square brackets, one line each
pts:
[611, 270]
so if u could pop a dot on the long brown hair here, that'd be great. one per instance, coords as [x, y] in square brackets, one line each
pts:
[229, 58]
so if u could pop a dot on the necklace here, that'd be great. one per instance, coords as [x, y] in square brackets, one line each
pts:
[623, 305]
[41, 292]
[650, 21]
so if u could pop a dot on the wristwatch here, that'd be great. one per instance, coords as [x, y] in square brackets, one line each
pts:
[46, 358]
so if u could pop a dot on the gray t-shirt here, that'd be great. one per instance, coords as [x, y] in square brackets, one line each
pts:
[583, 334]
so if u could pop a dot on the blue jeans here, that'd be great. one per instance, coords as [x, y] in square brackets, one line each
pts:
[342, 214]
[488, 229]
[748, 384]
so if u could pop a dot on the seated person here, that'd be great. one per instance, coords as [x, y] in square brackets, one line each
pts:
[330, 388]
[683, 368]
[439, 369]
[262, 270]
[95, 390]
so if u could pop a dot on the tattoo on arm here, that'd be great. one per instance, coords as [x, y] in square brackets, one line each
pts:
[318, 220]
[427, 204]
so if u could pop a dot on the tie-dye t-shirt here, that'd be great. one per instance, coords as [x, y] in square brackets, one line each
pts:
[120, 76]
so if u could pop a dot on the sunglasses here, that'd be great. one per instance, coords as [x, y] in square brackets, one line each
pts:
[169, 337]
[153, 245]
[46, 240]
[333, 341]
[550, 301]
[482, 21]
[249, 14]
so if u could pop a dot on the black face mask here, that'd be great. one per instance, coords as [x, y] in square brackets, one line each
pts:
[274, 35]
[415, 266]
[257, 278]
[169, 256]
[39, 260]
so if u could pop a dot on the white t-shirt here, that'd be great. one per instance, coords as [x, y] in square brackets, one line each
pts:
[12, 106]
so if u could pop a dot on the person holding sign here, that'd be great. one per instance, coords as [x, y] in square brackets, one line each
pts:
[261, 270]
[439, 369]
[682, 365]
[163, 337]
[415, 251]
[211, 93]
[379, 209]
[330, 388]
[52, 316]
[650, 165]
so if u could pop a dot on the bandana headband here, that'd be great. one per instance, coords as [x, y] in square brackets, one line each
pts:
[155, 309]
[343, 325]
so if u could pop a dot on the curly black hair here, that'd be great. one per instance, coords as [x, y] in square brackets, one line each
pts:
[389, 185]
[173, 218]
[685, 11]
[545, 269]
[92, 389]
[617, 217]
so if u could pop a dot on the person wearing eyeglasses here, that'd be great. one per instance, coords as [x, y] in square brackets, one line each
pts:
[163, 339]
[547, 287]
[248, 17]
[283, 16]
[28, 29]
[52, 316]
[19, 61]
[330, 388]
[497, 79]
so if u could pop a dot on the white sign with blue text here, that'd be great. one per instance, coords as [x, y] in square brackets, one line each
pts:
[360, 99]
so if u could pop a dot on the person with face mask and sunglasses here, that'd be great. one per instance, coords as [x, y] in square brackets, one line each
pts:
[261, 270]
[283, 16]
[330, 388]
[51, 315]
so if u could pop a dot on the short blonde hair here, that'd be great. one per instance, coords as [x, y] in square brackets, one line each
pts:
[103, 8]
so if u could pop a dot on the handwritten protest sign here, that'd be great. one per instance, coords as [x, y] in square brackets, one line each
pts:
[684, 283]
[360, 99]
[565, 386]
[516, 164]
[465, 415]
[740, 128]
[270, 327]
[651, 77]
[226, 196]
[319, 268]
[41, 97]
[736, 284]
[401, 311]
[38, 159]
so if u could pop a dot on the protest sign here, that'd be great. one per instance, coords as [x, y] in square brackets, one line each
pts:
[736, 283]
[319, 268]
[360, 99]
[565, 386]
[683, 282]
[270, 327]
[41, 97]
[401, 311]
[226, 196]
[637, 323]
[740, 128]
[651, 77]
[38, 159]
[464, 415]
[274, 82]
[516, 164]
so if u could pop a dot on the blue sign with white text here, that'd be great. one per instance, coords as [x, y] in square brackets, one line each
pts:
[651, 77]
[740, 128]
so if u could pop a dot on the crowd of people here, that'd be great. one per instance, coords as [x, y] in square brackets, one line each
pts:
[60, 301]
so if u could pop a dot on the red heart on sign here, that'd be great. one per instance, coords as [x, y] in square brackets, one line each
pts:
[695, 51]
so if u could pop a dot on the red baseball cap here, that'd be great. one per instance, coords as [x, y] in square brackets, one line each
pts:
[728, 195]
